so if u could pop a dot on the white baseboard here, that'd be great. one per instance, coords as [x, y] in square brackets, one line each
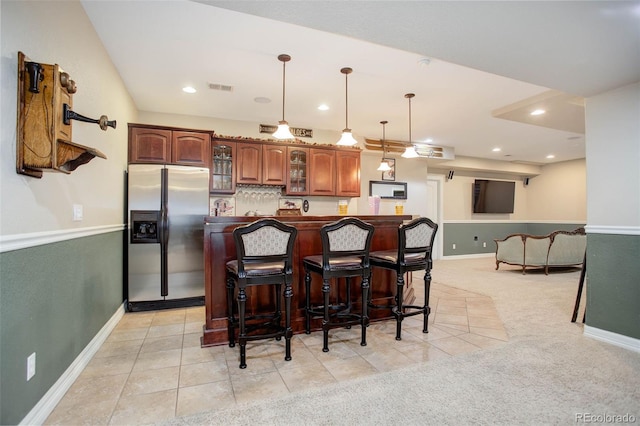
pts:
[468, 256]
[39, 413]
[612, 338]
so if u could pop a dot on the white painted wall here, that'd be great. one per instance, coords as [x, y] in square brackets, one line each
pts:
[60, 32]
[559, 193]
[613, 166]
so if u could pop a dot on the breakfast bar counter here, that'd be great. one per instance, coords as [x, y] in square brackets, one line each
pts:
[219, 248]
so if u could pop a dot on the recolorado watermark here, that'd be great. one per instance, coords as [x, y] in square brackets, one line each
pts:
[605, 418]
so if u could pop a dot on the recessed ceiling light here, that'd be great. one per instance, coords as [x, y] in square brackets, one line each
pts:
[323, 107]
[496, 149]
[262, 100]
[538, 112]
[551, 156]
[188, 89]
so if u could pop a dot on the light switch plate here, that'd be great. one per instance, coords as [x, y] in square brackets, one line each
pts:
[31, 366]
[77, 212]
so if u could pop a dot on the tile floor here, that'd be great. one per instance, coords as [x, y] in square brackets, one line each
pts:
[152, 368]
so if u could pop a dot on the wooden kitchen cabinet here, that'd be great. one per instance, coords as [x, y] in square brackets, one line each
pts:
[223, 160]
[162, 145]
[297, 170]
[347, 173]
[322, 172]
[149, 145]
[261, 164]
[190, 148]
[249, 163]
[274, 164]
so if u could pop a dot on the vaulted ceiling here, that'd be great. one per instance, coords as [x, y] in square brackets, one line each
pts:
[477, 68]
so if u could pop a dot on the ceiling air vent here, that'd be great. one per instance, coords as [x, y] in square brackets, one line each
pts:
[221, 87]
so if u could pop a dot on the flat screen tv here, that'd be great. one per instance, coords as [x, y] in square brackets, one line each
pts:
[493, 196]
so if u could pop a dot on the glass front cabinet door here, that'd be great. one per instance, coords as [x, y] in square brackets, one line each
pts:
[297, 172]
[223, 158]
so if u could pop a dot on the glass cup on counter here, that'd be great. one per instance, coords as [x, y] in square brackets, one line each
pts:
[343, 207]
[399, 208]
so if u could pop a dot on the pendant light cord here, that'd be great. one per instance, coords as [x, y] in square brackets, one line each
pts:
[346, 71]
[384, 137]
[409, 96]
[346, 100]
[284, 64]
[284, 58]
[410, 120]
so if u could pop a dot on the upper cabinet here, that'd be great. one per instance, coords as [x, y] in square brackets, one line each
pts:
[149, 145]
[302, 169]
[322, 171]
[223, 177]
[348, 173]
[261, 164]
[249, 163]
[190, 148]
[153, 144]
[274, 164]
[297, 170]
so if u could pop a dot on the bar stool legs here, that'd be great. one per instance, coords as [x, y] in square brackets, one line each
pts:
[264, 251]
[242, 301]
[288, 294]
[231, 323]
[326, 319]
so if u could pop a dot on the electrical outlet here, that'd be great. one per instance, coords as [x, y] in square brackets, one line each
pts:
[77, 212]
[31, 366]
[454, 246]
[484, 244]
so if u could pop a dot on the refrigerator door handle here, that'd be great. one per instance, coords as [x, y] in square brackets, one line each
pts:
[164, 232]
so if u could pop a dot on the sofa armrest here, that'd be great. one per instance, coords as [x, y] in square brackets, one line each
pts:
[567, 248]
[510, 249]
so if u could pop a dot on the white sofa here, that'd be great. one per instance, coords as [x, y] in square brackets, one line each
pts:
[560, 248]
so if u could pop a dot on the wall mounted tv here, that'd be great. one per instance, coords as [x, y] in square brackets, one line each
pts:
[493, 196]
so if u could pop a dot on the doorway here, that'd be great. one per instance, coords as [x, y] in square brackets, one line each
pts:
[434, 210]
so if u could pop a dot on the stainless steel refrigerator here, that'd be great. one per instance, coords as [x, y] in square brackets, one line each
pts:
[166, 210]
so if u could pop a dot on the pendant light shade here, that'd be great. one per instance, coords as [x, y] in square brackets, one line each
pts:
[347, 138]
[410, 151]
[384, 166]
[283, 131]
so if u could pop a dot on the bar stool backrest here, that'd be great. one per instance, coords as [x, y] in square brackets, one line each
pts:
[265, 241]
[347, 237]
[416, 237]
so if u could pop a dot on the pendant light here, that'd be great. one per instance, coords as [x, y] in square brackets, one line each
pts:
[283, 131]
[347, 138]
[384, 166]
[410, 151]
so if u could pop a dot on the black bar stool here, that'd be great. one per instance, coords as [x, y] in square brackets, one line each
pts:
[264, 257]
[415, 242]
[345, 254]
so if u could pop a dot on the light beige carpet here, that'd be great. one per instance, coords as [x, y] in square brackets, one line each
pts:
[547, 372]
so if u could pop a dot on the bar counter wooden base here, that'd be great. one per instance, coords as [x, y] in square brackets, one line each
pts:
[219, 248]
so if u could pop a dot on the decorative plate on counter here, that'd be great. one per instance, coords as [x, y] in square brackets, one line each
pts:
[223, 207]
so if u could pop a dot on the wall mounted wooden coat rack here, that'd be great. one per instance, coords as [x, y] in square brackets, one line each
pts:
[45, 102]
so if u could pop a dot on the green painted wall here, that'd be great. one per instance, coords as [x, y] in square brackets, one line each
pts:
[613, 283]
[463, 234]
[54, 299]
